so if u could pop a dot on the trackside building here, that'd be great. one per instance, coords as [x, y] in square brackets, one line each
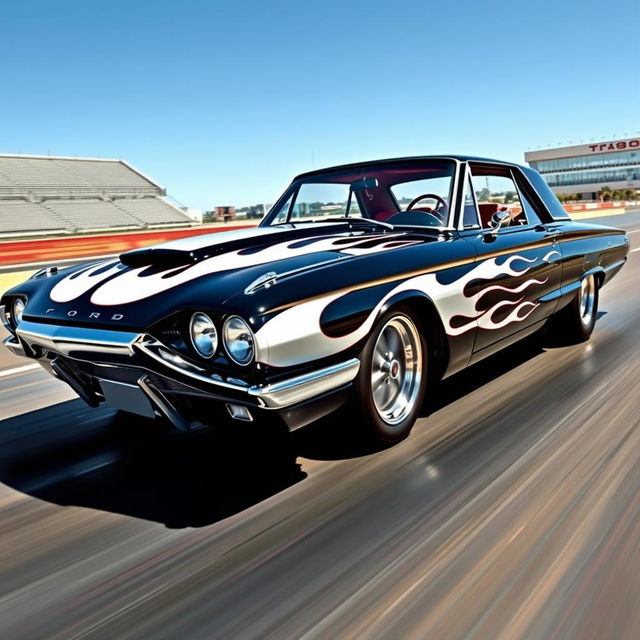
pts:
[585, 169]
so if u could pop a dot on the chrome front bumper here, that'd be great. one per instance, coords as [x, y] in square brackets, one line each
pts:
[35, 340]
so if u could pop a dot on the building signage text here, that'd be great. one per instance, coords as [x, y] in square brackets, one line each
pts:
[615, 146]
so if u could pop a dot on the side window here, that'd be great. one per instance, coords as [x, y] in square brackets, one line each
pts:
[495, 190]
[431, 195]
[406, 192]
[554, 209]
[534, 210]
[470, 213]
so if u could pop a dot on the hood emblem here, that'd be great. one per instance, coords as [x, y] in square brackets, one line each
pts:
[263, 281]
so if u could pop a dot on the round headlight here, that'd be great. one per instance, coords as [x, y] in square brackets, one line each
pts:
[204, 336]
[238, 340]
[18, 310]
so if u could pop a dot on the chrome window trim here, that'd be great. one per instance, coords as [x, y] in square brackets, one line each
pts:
[294, 187]
[521, 227]
[469, 183]
[454, 210]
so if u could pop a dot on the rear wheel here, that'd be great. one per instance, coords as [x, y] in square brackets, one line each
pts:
[390, 386]
[575, 322]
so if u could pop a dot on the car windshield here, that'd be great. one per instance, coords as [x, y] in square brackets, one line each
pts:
[412, 192]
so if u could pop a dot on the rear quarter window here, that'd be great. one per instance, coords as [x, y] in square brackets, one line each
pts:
[547, 196]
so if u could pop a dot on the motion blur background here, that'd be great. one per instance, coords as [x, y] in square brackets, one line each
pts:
[511, 511]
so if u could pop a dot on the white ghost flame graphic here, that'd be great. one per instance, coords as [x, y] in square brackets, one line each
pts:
[77, 283]
[295, 335]
[129, 286]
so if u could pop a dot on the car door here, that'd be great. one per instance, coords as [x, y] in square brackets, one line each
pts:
[519, 265]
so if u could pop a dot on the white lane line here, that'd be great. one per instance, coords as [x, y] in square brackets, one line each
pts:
[634, 250]
[16, 370]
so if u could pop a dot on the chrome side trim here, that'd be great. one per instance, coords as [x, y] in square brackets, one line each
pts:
[306, 386]
[270, 278]
[615, 265]
[67, 340]
[265, 280]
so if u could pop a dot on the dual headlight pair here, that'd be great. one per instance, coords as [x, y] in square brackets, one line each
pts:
[237, 338]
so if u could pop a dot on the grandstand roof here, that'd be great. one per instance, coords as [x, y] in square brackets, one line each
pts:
[50, 174]
[54, 194]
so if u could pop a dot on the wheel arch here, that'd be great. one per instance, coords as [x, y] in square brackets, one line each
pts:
[427, 316]
[598, 273]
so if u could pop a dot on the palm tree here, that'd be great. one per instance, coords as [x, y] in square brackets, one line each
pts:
[605, 194]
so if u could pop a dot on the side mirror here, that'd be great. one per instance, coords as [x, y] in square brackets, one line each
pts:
[498, 220]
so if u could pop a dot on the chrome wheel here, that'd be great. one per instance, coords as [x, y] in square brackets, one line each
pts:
[587, 300]
[396, 369]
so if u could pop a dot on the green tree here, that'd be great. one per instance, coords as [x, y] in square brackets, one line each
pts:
[483, 195]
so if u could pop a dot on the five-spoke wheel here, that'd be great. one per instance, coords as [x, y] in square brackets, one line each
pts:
[396, 369]
[390, 386]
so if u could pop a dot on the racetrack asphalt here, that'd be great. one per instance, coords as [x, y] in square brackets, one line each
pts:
[512, 510]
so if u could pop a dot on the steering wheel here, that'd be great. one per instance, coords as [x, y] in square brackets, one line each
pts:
[441, 210]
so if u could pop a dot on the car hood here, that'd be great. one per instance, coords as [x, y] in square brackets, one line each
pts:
[203, 272]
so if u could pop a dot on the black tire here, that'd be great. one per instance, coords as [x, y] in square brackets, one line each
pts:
[387, 413]
[575, 322]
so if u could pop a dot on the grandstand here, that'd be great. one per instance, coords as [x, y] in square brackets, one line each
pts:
[42, 195]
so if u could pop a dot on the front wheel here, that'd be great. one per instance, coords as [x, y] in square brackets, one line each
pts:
[390, 386]
[575, 322]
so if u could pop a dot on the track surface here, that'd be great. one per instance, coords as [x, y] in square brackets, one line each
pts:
[512, 511]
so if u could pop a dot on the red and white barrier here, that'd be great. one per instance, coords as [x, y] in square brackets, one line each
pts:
[50, 250]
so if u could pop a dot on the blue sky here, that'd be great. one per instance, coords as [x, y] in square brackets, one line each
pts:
[224, 102]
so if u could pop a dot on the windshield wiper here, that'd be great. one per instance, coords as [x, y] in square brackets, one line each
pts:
[361, 221]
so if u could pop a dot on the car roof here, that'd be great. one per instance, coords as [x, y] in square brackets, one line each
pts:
[374, 163]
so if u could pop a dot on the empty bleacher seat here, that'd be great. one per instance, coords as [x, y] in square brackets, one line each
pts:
[83, 215]
[47, 174]
[44, 194]
[22, 216]
[152, 210]
[105, 173]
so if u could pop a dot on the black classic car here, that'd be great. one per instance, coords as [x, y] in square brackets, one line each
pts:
[363, 285]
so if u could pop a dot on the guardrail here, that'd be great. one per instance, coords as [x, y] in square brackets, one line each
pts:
[51, 250]
[591, 206]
